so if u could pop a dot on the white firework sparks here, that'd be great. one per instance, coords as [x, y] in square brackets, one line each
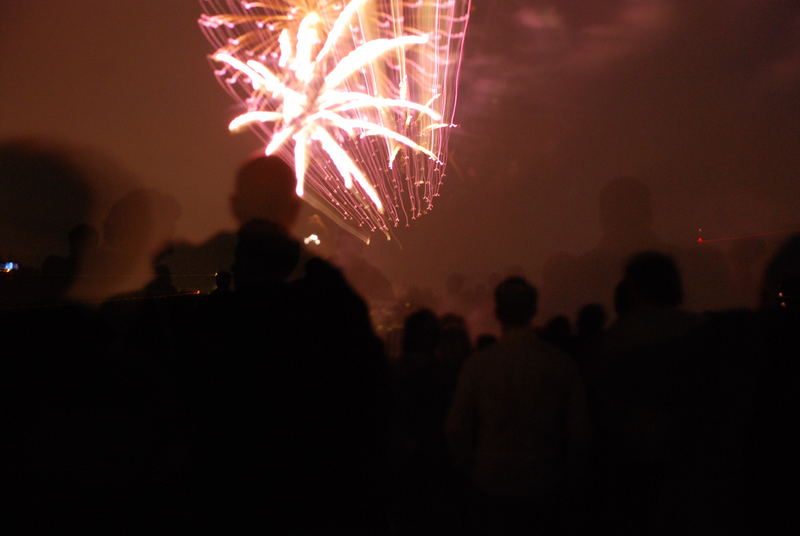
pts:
[319, 87]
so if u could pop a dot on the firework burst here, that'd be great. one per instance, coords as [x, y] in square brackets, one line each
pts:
[359, 95]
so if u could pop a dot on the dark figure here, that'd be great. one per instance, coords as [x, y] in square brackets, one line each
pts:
[649, 298]
[43, 192]
[263, 191]
[223, 281]
[518, 424]
[558, 332]
[420, 335]
[734, 454]
[454, 348]
[290, 389]
[772, 465]
[161, 285]
[622, 299]
[625, 218]
[86, 436]
[782, 277]
[627, 225]
[590, 323]
[136, 232]
[420, 404]
[591, 320]
[642, 386]
[59, 274]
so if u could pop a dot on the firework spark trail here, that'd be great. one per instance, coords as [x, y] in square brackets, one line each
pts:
[358, 95]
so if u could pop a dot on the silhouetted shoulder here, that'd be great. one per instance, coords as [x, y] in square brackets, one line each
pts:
[321, 275]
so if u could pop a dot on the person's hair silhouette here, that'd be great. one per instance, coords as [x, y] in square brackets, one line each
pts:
[265, 190]
[515, 302]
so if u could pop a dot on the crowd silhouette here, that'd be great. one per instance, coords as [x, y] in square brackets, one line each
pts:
[267, 396]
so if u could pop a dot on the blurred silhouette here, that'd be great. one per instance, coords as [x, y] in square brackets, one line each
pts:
[136, 231]
[626, 223]
[223, 281]
[589, 326]
[453, 349]
[421, 336]
[264, 258]
[296, 423]
[43, 192]
[48, 190]
[268, 401]
[161, 285]
[591, 320]
[622, 300]
[772, 465]
[558, 332]
[518, 424]
[264, 191]
[420, 403]
[417, 373]
[641, 394]
[779, 288]
[59, 274]
[427, 492]
[626, 226]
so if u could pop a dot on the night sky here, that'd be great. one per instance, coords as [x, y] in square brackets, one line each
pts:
[697, 99]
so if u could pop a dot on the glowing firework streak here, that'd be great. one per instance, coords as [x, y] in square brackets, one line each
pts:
[359, 95]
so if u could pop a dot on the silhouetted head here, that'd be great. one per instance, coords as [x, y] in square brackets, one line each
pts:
[223, 280]
[265, 190]
[515, 302]
[264, 255]
[454, 341]
[653, 279]
[141, 222]
[558, 329]
[591, 319]
[43, 192]
[421, 332]
[781, 286]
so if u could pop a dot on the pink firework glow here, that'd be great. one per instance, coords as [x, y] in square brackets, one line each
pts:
[359, 96]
